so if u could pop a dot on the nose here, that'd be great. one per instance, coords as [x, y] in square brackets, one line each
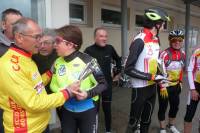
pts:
[42, 44]
[55, 46]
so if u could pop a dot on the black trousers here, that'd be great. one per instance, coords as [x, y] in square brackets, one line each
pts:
[142, 105]
[1, 121]
[192, 106]
[173, 100]
[85, 121]
[106, 99]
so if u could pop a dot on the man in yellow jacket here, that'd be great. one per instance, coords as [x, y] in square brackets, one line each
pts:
[22, 95]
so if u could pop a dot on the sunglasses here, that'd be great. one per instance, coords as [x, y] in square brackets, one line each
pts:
[175, 39]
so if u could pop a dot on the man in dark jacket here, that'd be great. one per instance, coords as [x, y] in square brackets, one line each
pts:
[9, 16]
[104, 54]
[47, 54]
[4, 43]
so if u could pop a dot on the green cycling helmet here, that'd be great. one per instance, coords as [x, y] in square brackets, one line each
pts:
[156, 14]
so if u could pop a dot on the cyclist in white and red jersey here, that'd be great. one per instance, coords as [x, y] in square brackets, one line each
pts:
[174, 60]
[194, 92]
[141, 66]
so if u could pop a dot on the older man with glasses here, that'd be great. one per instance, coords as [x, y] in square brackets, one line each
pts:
[23, 97]
[47, 54]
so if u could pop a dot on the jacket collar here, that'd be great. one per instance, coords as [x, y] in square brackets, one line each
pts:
[148, 32]
[71, 56]
[4, 40]
[149, 37]
[20, 51]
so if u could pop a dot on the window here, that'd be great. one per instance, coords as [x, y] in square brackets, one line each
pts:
[193, 35]
[38, 11]
[166, 26]
[110, 16]
[193, 38]
[139, 20]
[78, 11]
[30, 8]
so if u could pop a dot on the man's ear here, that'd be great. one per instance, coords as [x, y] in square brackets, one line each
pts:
[18, 37]
[3, 25]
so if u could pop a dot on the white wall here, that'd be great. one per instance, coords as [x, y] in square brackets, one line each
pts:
[57, 13]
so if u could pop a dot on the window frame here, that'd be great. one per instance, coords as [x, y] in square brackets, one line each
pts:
[193, 44]
[85, 8]
[112, 8]
[139, 14]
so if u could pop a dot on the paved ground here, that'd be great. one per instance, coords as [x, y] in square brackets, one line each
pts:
[121, 107]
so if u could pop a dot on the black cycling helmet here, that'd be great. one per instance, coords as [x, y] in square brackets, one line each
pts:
[176, 34]
[156, 14]
[155, 17]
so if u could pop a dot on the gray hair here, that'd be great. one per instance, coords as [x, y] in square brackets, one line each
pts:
[49, 32]
[21, 26]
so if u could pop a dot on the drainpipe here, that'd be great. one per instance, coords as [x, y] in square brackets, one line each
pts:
[187, 29]
[124, 29]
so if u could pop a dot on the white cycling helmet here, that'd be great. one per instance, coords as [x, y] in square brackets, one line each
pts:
[176, 34]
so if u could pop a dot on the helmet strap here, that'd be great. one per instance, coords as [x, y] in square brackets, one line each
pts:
[157, 33]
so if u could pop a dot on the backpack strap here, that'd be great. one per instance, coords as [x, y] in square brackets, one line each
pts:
[182, 58]
[170, 57]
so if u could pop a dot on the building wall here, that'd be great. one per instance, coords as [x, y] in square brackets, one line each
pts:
[56, 14]
[176, 10]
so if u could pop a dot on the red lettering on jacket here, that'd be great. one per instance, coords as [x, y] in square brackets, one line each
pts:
[15, 62]
[19, 118]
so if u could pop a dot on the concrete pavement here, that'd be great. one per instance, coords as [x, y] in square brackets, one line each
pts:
[121, 108]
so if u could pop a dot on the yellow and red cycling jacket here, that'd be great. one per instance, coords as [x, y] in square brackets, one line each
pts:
[22, 95]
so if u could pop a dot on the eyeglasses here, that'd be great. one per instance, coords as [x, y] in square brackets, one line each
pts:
[36, 36]
[175, 39]
[58, 40]
[47, 42]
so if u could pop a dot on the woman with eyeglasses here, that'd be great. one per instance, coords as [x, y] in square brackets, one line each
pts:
[174, 61]
[78, 113]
